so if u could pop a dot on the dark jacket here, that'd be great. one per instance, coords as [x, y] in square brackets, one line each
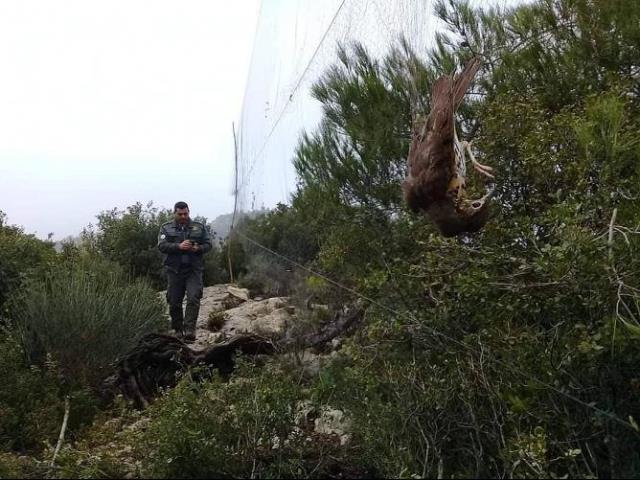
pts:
[172, 235]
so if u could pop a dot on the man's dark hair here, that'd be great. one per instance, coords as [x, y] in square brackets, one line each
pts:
[180, 205]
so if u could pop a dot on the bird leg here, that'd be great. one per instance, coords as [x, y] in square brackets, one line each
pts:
[479, 203]
[480, 168]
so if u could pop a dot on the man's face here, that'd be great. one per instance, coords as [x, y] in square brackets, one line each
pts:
[182, 215]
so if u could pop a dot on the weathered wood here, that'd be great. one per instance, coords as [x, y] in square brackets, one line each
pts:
[63, 429]
[157, 361]
[343, 322]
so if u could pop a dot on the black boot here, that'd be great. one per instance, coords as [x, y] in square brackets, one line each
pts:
[189, 336]
[177, 321]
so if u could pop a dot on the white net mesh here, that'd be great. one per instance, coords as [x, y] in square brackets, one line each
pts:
[296, 41]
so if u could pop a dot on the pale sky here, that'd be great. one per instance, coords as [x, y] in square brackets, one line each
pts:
[105, 103]
[296, 42]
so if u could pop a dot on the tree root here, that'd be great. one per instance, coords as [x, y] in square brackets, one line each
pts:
[157, 361]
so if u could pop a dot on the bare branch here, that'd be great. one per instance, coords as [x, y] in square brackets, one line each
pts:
[63, 429]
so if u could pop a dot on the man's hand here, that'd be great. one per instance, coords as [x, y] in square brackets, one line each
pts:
[186, 245]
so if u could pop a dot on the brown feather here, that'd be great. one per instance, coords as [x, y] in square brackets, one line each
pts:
[431, 153]
[464, 79]
[431, 160]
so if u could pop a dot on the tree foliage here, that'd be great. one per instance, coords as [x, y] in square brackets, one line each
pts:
[84, 318]
[510, 352]
[130, 237]
[20, 254]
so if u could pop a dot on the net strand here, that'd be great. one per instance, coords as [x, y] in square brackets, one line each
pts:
[442, 335]
[295, 88]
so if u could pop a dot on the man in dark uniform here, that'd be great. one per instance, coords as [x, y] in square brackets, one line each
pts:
[184, 242]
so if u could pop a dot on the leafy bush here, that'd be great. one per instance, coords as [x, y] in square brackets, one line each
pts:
[130, 237]
[267, 276]
[19, 466]
[31, 401]
[214, 271]
[84, 319]
[215, 321]
[243, 428]
[283, 230]
[30, 404]
[20, 254]
[286, 231]
[106, 448]
[232, 249]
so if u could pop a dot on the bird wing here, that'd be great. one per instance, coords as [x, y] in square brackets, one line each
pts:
[463, 80]
[431, 158]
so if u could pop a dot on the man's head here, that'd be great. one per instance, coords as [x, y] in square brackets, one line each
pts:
[181, 213]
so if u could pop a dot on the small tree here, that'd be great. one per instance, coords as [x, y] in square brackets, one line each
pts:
[83, 316]
[20, 255]
[130, 237]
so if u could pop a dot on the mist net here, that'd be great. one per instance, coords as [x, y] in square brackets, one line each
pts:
[295, 43]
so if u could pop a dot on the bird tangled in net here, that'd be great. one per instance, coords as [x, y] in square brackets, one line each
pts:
[435, 184]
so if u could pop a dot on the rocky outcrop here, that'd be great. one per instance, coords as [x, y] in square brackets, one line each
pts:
[242, 315]
[254, 328]
[268, 318]
[333, 422]
[325, 420]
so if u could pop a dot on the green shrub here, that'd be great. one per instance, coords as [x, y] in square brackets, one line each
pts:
[216, 429]
[215, 321]
[30, 405]
[20, 254]
[129, 237]
[284, 230]
[31, 401]
[267, 276]
[232, 248]
[244, 428]
[18, 466]
[213, 273]
[85, 318]
[10, 466]
[106, 448]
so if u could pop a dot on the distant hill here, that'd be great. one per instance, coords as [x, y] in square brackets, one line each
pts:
[74, 240]
[221, 225]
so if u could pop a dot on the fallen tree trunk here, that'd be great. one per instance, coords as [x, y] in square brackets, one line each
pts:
[157, 361]
[343, 322]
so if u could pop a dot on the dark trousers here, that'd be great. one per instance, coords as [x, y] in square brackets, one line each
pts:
[184, 281]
